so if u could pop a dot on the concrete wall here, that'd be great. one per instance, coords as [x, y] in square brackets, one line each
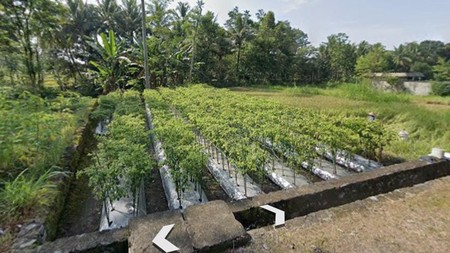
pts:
[420, 88]
[304, 200]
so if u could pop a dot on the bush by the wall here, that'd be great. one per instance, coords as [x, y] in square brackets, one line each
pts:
[441, 88]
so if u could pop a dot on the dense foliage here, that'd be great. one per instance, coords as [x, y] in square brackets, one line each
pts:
[99, 46]
[34, 135]
[37, 131]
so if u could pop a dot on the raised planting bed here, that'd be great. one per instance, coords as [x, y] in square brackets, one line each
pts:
[181, 166]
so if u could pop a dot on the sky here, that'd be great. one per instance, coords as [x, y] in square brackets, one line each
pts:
[391, 22]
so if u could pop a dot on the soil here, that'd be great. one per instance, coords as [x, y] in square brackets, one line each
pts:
[308, 174]
[212, 188]
[265, 183]
[414, 219]
[154, 193]
[82, 210]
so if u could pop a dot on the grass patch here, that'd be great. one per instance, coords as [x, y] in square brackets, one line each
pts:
[365, 92]
[303, 91]
[21, 196]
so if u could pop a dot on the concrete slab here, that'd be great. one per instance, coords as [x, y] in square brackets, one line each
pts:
[212, 227]
[106, 241]
[144, 229]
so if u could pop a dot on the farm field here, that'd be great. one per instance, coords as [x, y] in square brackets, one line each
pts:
[253, 135]
[128, 126]
[210, 143]
[167, 149]
[424, 118]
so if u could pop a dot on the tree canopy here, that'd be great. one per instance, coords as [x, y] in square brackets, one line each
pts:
[184, 44]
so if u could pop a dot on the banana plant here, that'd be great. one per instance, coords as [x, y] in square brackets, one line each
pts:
[112, 66]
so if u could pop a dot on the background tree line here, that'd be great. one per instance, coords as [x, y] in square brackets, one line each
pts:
[98, 48]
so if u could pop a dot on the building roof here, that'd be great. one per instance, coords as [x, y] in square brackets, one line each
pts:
[400, 74]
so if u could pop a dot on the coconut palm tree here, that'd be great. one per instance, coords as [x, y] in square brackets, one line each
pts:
[239, 29]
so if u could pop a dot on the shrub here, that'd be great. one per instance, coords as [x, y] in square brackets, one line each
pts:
[106, 106]
[303, 91]
[395, 83]
[441, 88]
[22, 195]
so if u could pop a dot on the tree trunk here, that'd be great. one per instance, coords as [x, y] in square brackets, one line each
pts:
[238, 61]
[245, 185]
[29, 56]
[39, 71]
[144, 45]
[191, 67]
[106, 212]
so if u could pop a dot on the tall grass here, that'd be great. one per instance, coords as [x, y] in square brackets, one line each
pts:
[20, 197]
[303, 91]
[35, 132]
[365, 92]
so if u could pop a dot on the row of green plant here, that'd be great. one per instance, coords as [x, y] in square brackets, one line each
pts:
[230, 133]
[425, 118]
[243, 126]
[121, 161]
[183, 155]
[34, 135]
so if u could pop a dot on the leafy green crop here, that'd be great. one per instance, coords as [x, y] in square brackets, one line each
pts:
[121, 161]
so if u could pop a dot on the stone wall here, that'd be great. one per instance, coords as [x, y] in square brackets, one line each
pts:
[419, 88]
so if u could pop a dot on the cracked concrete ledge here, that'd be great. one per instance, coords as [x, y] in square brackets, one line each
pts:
[201, 228]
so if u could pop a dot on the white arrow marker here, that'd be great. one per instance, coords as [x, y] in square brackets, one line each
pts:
[279, 215]
[162, 243]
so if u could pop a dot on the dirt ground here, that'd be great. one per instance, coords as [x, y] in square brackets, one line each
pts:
[415, 219]
[154, 193]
